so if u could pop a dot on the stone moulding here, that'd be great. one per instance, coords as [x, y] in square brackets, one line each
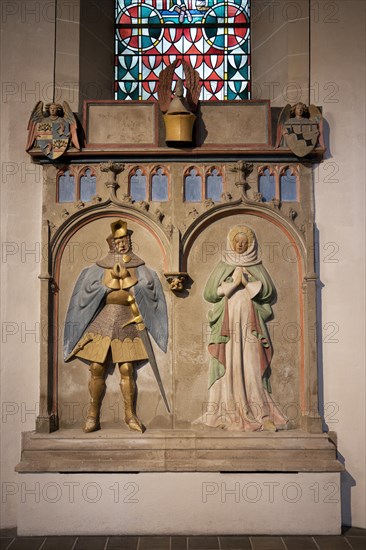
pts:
[177, 451]
[120, 129]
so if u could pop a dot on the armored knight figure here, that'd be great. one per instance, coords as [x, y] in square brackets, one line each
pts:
[113, 304]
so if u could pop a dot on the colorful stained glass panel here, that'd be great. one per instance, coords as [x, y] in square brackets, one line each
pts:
[213, 36]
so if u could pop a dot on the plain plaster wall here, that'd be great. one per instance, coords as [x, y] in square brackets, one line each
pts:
[27, 72]
[27, 76]
[280, 51]
[338, 82]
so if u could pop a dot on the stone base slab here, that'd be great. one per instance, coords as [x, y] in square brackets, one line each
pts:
[111, 450]
[179, 503]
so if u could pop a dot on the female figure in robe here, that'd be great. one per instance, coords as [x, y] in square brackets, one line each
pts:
[239, 382]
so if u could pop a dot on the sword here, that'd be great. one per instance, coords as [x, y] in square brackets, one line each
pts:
[150, 353]
[148, 347]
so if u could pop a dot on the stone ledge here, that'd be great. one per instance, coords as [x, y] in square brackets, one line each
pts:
[70, 450]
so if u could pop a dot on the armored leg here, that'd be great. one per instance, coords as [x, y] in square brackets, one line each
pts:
[96, 390]
[128, 388]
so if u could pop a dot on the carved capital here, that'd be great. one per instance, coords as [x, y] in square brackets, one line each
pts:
[177, 281]
[114, 167]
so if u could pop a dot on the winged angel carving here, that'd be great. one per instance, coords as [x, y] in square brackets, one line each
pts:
[301, 128]
[52, 128]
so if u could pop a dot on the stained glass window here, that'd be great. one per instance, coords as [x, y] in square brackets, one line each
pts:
[212, 35]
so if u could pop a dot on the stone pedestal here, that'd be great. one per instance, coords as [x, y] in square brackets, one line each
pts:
[112, 450]
[179, 503]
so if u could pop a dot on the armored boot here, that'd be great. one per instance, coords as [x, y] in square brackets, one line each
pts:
[128, 389]
[96, 390]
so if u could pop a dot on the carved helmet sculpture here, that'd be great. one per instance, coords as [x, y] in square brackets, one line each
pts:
[178, 110]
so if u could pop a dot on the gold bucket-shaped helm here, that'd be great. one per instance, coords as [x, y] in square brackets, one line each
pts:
[178, 119]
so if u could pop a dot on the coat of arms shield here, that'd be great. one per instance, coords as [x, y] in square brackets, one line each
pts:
[301, 137]
[52, 130]
[53, 137]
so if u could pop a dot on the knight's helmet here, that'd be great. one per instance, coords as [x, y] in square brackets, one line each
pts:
[178, 119]
[123, 281]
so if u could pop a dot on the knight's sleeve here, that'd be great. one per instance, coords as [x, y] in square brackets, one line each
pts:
[152, 305]
[86, 301]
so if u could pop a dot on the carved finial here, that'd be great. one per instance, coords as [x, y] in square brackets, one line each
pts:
[79, 205]
[159, 215]
[126, 198]
[96, 199]
[209, 203]
[244, 169]
[193, 213]
[169, 228]
[292, 214]
[143, 205]
[276, 203]
[226, 197]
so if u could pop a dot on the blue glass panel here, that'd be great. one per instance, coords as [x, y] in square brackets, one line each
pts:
[193, 186]
[66, 187]
[214, 186]
[159, 186]
[288, 187]
[138, 186]
[267, 186]
[88, 186]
